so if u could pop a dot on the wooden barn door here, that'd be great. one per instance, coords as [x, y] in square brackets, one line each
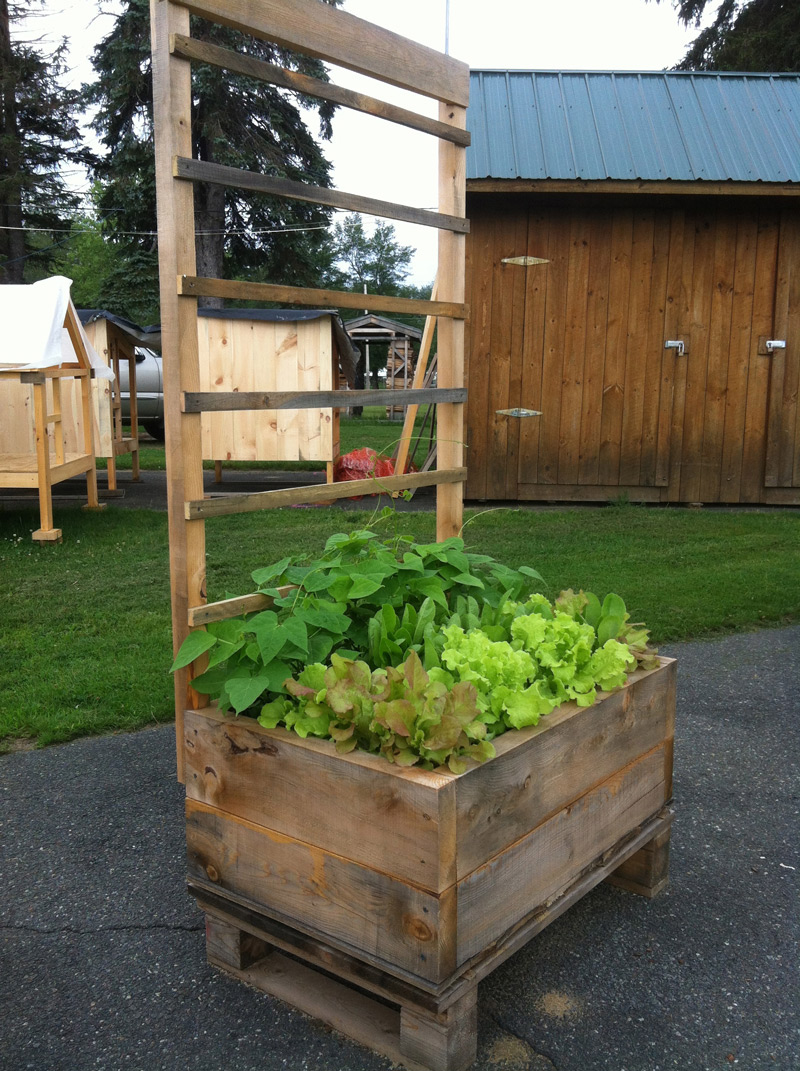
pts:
[569, 313]
[572, 303]
[782, 463]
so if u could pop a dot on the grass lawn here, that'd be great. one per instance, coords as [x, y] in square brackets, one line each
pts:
[86, 630]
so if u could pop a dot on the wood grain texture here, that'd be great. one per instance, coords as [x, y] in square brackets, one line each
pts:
[229, 946]
[599, 230]
[543, 864]
[176, 253]
[546, 768]
[479, 261]
[740, 349]
[646, 873]
[205, 52]
[716, 423]
[252, 368]
[317, 30]
[382, 919]
[236, 401]
[252, 503]
[536, 287]
[616, 348]
[636, 187]
[451, 332]
[447, 1041]
[239, 290]
[641, 270]
[261, 774]
[553, 348]
[341, 1007]
[222, 175]
[724, 259]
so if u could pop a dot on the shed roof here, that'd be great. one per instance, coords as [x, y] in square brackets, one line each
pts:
[658, 126]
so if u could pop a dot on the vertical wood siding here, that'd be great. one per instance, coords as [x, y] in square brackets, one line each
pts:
[581, 338]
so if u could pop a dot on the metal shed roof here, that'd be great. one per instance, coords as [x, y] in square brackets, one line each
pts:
[656, 126]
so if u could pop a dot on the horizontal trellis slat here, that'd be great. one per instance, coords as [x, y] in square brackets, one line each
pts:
[241, 290]
[314, 29]
[225, 505]
[222, 175]
[225, 608]
[238, 401]
[204, 52]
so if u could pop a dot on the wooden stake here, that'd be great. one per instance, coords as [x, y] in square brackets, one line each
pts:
[450, 278]
[176, 256]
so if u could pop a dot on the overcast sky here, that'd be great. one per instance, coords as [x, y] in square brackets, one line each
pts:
[386, 161]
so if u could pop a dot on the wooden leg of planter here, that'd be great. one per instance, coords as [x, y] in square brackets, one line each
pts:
[444, 1042]
[228, 946]
[647, 871]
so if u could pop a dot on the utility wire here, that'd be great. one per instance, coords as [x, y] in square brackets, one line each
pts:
[153, 234]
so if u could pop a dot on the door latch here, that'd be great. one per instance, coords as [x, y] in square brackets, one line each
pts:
[773, 344]
[675, 344]
[518, 412]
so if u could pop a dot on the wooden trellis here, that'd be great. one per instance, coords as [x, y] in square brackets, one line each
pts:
[314, 29]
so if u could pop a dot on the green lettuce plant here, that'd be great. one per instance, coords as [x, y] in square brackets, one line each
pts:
[420, 652]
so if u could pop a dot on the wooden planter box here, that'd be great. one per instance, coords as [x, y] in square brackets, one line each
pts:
[414, 885]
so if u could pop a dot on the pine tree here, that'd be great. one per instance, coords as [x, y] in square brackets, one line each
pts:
[746, 35]
[236, 121]
[39, 132]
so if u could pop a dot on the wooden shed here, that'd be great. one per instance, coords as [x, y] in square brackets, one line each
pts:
[114, 339]
[634, 277]
[269, 351]
[47, 368]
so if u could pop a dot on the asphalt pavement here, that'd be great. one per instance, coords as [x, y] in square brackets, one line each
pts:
[102, 959]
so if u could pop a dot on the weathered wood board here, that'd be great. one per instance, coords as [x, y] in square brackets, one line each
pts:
[401, 867]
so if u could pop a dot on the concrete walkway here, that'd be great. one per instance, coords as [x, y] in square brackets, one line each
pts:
[102, 961]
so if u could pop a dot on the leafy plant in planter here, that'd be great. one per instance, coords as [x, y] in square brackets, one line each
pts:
[422, 652]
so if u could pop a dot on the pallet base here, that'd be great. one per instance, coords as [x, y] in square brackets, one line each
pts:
[432, 1028]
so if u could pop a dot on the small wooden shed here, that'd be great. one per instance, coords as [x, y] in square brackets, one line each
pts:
[47, 367]
[634, 277]
[114, 339]
[270, 351]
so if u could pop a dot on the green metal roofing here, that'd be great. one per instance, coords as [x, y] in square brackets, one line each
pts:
[657, 126]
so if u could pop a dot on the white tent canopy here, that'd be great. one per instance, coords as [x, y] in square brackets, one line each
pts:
[33, 331]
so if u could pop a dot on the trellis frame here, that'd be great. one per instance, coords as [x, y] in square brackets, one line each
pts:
[314, 29]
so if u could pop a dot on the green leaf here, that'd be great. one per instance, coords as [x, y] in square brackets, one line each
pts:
[613, 606]
[269, 572]
[593, 611]
[608, 629]
[468, 581]
[362, 586]
[211, 682]
[195, 644]
[327, 619]
[224, 651]
[270, 638]
[389, 618]
[297, 632]
[430, 586]
[243, 691]
[275, 674]
[319, 580]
